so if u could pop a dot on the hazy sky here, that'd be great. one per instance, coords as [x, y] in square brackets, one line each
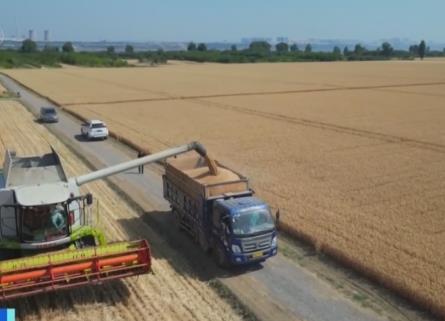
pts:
[229, 20]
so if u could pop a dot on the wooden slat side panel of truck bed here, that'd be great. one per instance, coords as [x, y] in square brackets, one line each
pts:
[196, 188]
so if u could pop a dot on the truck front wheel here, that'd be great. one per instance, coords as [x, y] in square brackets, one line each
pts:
[220, 256]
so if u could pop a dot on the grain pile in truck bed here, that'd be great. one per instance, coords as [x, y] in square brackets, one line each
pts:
[196, 167]
[203, 176]
[192, 172]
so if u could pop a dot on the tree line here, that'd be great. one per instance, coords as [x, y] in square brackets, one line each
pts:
[29, 56]
[264, 50]
[30, 46]
[257, 51]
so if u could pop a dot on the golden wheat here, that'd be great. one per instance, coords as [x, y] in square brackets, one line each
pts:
[351, 153]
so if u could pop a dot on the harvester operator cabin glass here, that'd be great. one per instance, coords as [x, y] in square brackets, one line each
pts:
[252, 221]
[44, 223]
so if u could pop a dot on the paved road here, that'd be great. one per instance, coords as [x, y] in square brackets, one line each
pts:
[278, 290]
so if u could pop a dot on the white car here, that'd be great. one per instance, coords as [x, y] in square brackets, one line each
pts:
[94, 129]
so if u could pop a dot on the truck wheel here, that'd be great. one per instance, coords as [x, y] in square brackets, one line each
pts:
[203, 242]
[220, 257]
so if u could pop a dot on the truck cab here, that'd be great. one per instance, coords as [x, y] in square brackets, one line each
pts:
[244, 230]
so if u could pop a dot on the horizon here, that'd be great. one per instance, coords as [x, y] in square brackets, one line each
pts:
[321, 45]
[174, 21]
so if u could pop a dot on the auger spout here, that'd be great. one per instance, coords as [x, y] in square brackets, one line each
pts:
[115, 169]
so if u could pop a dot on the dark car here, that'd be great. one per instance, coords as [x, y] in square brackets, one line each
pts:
[48, 115]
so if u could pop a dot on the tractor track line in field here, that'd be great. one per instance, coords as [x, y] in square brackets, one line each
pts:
[416, 93]
[259, 93]
[119, 85]
[328, 126]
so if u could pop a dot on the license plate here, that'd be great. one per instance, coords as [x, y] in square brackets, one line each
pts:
[257, 254]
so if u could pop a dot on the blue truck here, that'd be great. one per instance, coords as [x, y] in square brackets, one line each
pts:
[219, 210]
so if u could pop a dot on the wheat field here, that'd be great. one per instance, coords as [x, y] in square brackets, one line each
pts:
[172, 293]
[351, 153]
[3, 90]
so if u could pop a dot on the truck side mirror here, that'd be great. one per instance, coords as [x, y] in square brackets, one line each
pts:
[225, 220]
[89, 198]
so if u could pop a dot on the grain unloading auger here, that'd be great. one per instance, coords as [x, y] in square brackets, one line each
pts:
[47, 238]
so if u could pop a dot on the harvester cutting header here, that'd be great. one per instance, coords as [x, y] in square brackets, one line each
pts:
[47, 238]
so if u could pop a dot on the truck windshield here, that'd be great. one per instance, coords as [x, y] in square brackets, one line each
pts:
[252, 221]
[49, 111]
[97, 126]
[44, 223]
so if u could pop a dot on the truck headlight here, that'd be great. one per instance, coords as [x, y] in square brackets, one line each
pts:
[274, 241]
[236, 248]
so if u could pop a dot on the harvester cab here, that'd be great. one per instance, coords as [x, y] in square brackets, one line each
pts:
[40, 209]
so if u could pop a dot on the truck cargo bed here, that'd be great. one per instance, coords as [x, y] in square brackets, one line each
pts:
[190, 173]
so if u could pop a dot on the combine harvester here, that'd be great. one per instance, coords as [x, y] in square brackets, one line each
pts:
[47, 238]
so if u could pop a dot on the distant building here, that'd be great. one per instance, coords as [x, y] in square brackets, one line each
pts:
[31, 34]
[46, 35]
